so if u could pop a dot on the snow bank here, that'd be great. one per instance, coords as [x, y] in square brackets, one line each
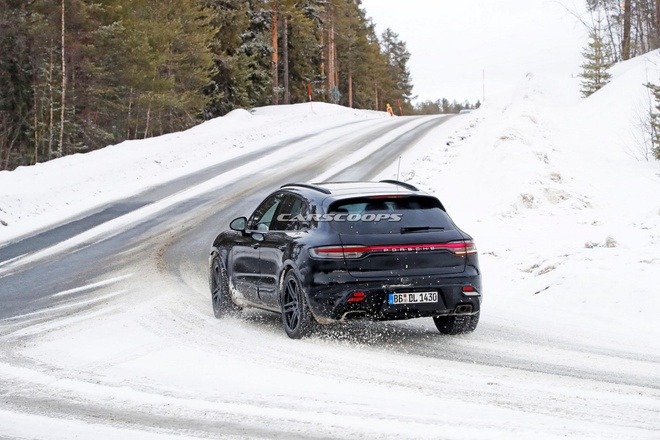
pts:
[48, 193]
[565, 216]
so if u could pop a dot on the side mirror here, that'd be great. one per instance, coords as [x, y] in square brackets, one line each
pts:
[239, 224]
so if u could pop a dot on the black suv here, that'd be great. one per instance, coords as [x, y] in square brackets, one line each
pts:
[349, 250]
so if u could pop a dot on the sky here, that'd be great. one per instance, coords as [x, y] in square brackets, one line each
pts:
[470, 49]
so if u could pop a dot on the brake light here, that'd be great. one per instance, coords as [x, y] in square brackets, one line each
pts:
[396, 196]
[358, 251]
[468, 248]
[333, 252]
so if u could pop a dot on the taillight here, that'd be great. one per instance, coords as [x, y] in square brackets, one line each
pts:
[467, 247]
[358, 251]
[337, 252]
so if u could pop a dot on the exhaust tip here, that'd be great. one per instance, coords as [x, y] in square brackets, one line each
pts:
[463, 309]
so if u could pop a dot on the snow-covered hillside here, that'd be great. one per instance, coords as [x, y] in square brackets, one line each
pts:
[565, 211]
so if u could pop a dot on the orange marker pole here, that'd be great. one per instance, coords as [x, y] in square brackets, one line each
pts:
[309, 93]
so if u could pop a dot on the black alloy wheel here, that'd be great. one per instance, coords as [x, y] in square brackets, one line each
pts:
[220, 296]
[456, 325]
[296, 317]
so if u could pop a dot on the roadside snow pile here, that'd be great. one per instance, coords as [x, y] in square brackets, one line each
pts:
[565, 215]
[48, 193]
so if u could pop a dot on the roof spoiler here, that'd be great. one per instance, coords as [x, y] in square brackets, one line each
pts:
[403, 184]
[309, 186]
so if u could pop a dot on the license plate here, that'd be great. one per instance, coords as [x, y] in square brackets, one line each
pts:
[413, 298]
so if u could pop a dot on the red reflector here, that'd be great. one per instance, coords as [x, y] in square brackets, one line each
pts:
[468, 289]
[356, 297]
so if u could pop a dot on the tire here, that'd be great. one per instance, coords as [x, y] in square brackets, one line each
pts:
[297, 320]
[220, 295]
[456, 325]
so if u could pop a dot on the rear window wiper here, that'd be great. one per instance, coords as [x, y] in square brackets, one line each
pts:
[407, 229]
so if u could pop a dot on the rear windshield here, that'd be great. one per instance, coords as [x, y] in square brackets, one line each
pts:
[388, 215]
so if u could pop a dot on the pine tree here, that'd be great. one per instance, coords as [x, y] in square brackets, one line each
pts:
[15, 82]
[301, 27]
[152, 60]
[595, 69]
[654, 120]
[398, 56]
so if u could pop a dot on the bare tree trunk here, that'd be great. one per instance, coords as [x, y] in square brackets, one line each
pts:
[128, 119]
[657, 24]
[350, 89]
[330, 75]
[8, 139]
[60, 147]
[639, 35]
[35, 123]
[274, 59]
[331, 57]
[4, 136]
[336, 65]
[335, 61]
[146, 127]
[614, 45]
[625, 44]
[285, 55]
[51, 101]
[324, 52]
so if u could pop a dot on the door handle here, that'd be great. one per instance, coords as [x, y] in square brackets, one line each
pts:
[255, 246]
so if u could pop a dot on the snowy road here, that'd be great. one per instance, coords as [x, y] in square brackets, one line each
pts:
[111, 335]
[240, 182]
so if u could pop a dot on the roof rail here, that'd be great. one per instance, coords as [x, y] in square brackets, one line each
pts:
[307, 185]
[403, 184]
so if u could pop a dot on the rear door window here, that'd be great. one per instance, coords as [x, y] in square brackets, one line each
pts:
[289, 213]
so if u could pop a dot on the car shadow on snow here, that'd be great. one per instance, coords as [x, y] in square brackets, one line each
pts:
[411, 336]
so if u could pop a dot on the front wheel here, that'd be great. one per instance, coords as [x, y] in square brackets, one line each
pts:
[220, 296]
[296, 317]
[457, 324]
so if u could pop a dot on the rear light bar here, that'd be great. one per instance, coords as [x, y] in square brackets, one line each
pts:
[358, 251]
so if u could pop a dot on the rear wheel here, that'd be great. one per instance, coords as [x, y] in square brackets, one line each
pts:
[296, 317]
[457, 324]
[220, 296]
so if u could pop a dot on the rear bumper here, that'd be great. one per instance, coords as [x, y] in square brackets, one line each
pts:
[330, 302]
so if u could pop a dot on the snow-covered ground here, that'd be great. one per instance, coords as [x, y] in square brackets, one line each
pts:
[567, 221]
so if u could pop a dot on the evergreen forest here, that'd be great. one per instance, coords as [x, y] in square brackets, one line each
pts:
[77, 75]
